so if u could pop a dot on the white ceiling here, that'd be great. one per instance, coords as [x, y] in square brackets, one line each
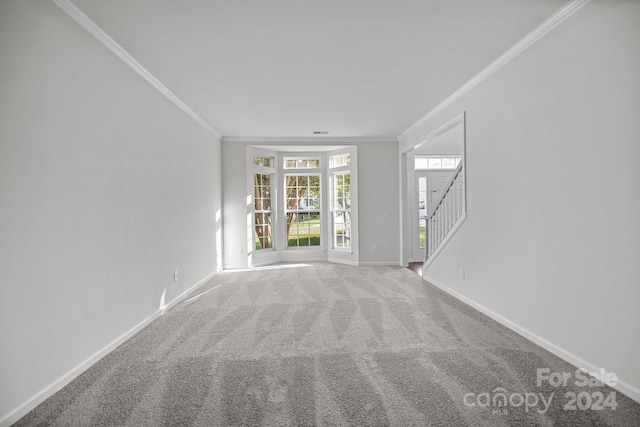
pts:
[286, 68]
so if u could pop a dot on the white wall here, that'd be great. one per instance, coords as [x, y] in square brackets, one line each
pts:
[377, 195]
[105, 189]
[552, 240]
[450, 142]
[234, 200]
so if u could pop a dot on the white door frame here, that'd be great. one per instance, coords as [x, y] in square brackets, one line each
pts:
[407, 183]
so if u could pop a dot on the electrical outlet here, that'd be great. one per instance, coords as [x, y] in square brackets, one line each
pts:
[374, 248]
[175, 276]
[462, 273]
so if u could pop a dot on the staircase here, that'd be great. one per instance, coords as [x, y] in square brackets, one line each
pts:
[447, 216]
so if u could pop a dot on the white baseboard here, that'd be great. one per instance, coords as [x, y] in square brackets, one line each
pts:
[52, 388]
[182, 296]
[621, 385]
[379, 263]
[228, 268]
[343, 261]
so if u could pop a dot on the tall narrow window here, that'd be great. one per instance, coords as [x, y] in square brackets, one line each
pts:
[340, 200]
[422, 211]
[263, 211]
[341, 209]
[302, 210]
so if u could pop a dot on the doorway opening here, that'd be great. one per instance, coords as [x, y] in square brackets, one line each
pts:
[432, 176]
[430, 168]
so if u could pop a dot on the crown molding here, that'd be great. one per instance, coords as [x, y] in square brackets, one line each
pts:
[77, 15]
[306, 139]
[541, 30]
[458, 120]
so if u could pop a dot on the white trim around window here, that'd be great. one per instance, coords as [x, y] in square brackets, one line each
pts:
[320, 203]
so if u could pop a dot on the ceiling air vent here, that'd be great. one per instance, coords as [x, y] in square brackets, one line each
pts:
[321, 132]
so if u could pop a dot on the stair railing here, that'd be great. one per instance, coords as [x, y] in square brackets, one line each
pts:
[448, 210]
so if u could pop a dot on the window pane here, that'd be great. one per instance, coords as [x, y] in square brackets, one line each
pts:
[421, 163]
[422, 210]
[263, 161]
[449, 163]
[303, 229]
[435, 163]
[262, 208]
[339, 160]
[342, 229]
[302, 207]
[301, 163]
[341, 201]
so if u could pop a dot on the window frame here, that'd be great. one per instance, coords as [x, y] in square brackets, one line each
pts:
[280, 251]
[333, 173]
[301, 212]
[288, 157]
[270, 212]
[456, 158]
[252, 235]
[349, 254]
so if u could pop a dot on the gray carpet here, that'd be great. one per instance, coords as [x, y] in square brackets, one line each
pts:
[328, 345]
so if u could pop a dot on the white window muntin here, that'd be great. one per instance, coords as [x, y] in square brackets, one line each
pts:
[436, 162]
[303, 210]
[341, 209]
[302, 162]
